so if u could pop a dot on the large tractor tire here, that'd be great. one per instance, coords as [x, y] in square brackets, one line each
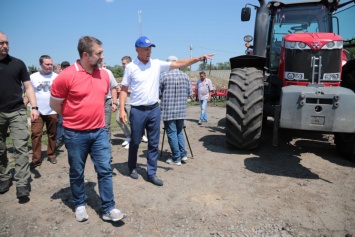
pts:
[348, 75]
[245, 108]
[345, 142]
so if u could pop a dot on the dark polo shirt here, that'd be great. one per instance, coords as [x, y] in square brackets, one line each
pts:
[13, 73]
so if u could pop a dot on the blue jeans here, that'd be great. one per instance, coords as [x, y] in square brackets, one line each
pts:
[174, 130]
[60, 129]
[203, 115]
[141, 119]
[94, 142]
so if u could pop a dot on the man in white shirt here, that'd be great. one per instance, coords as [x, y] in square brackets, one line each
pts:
[142, 76]
[42, 83]
[203, 90]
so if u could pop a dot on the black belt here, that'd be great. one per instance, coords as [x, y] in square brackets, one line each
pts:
[145, 107]
[108, 99]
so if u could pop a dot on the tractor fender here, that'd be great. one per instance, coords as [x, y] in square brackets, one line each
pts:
[250, 61]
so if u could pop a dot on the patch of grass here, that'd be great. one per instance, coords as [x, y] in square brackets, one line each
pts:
[214, 102]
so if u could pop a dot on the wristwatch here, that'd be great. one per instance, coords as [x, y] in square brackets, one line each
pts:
[115, 104]
[35, 107]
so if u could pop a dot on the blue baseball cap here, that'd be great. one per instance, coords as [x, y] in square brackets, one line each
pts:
[143, 42]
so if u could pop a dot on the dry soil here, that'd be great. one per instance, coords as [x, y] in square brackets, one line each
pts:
[300, 188]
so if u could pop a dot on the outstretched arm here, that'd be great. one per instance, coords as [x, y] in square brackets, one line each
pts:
[187, 62]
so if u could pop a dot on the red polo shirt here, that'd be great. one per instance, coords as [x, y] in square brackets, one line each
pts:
[84, 97]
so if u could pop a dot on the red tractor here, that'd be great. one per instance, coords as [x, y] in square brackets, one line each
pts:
[294, 72]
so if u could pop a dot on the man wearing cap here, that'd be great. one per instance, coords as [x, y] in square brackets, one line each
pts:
[142, 77]
[175, 87]
[64, 64]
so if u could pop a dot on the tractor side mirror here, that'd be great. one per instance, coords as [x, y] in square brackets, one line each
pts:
[245, 15]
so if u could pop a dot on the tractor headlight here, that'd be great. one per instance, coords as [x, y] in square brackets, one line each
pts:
[298, 76]
[302, 45]
[335, 76]
[248, 38]
[296, 45]
[290, 76]
[331, 77]
[338, 44]
[294, 76]
[330, 44]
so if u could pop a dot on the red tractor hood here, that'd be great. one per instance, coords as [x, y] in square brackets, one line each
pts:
[313, 40]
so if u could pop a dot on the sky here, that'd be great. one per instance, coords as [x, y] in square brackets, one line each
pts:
[38, 27]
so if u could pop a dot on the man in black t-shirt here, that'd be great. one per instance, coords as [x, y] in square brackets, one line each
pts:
[13, 116]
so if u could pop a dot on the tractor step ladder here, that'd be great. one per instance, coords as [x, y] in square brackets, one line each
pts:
[316, 64]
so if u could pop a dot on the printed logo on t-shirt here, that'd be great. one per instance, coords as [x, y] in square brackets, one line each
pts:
[45, 86]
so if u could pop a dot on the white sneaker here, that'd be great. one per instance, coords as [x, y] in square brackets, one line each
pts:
[126, 147]
[144, 139]
[126, 142]
[113, 215]
[81, 214]
[184, 158]
[171, 162]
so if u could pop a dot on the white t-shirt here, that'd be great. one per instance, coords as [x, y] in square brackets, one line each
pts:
[143, 80]
[204, 88]
[42, 85]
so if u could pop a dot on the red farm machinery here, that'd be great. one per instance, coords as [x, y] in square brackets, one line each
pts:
[299, 70]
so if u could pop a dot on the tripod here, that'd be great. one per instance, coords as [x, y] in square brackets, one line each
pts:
[187, 139]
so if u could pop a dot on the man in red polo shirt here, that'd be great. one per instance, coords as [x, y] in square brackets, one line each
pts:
[79, 93]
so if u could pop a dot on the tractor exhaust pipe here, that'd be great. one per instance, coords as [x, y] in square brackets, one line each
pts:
[261, 21]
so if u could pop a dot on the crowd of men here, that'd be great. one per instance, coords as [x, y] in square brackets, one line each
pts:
[60, 98]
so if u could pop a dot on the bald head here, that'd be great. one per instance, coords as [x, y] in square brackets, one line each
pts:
[4, 45]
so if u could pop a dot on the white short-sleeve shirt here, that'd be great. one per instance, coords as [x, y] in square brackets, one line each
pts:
[143, 80]
[42, 86]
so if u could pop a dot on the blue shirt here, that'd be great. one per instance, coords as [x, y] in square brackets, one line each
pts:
[175, 87]
[143, 80]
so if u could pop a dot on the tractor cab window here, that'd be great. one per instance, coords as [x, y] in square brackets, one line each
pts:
[292, 19]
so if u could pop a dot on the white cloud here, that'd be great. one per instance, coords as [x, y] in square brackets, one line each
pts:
[109, 1]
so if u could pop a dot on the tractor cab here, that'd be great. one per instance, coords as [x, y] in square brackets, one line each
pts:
[290, 19]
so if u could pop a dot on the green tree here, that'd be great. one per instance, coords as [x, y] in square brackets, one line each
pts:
[32, 69]
[202, 67]
[218, 66]
[223, 66]
[349, 45]
[116, 70]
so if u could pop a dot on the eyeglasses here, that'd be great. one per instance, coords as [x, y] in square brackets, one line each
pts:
[2, 43]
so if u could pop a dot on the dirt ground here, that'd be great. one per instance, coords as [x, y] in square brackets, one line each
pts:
[300, 188]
